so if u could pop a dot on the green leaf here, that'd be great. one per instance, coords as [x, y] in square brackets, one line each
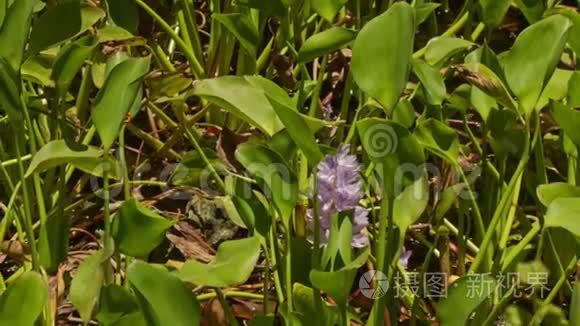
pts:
[164, 298]
[113, 33]
[24, 300]
[574, 36]
[137, 230]
[432, 81]
[568, 119]
[573, 98]
[61, 23]
[439, 139]
[69, 61]
[242, 27]
[532, 9]
[3, 9]
[326, 42]
[455, 309]
[10, 90]
[338, 283]
[273, 175]
[58, 152]
[381, 65]
[53, 242]
[480, 76]
[393, 149]
[307, 310]
[529, 65]
[327, 9]
[115, 302]
[233, 265]
[410, 204]
[493, 11]
[124, 13]
[442, 48]
[238, 96]
[424, 10]
[300, 132]
[547, 193]
[86, 284]
[121, 91]
[14, 32]
[564, 212]
[37, 69]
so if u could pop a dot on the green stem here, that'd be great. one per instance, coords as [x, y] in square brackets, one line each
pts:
[196, 67]
[108, 238]
[226, 307]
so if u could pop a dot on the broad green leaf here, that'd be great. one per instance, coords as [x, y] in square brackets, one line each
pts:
[547, 193]
[338, 283]
[327, 9]
[325, 42]
[564, 212]
[424, 10]
[395, 151]
[137, 230]
[14, 32]
[480, 76]
[447, 199]
[442, 48]
[278, 96]
[37, 69]
[241, 98]
[61, 23]
[493, 11]
[532, 9]
[242, 27]
[169, 85]
[568, 119]
[455, 309]
[124, 13]
[69, 61]
[86, 284]
[234, 262]
[530, 63]
[380, 64]
[164, 298]
[117, 97]
[10, 90]
[24, 300]
[115, 302]
[432, 82]
[404, 113]
[58, 152]
[274, 176]
[574, 37]
[300, 132]
[113, 33]
[410, 204]
[439, 139]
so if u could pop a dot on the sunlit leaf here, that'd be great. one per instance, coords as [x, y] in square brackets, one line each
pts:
[137, 230]
[24, 300]
[380, 64]
[69, 61]
[564, 212]
[163, 297]
[58, 152]
[325, 42]
[234, 262]
[274, 176]
[442, 48]
[327, 8]
[493, 11]
[529, 65]
[117, 97]
[87, 282]
[547, 193]
[455, 309]
[432, 82]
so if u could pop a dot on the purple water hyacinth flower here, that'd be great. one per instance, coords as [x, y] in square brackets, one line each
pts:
[404, 258]
[339, 190]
